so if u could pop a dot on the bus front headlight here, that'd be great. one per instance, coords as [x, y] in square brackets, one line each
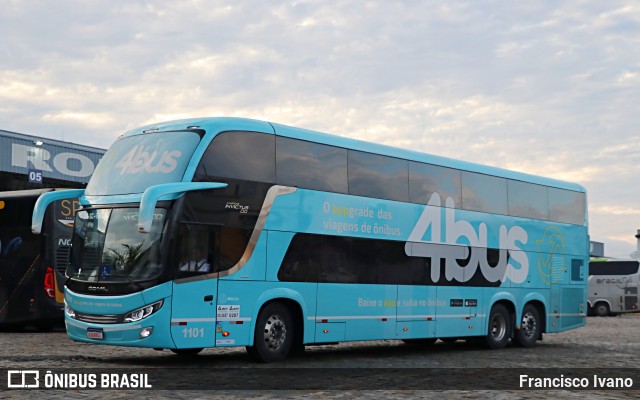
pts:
[69, 310]
[143, 312]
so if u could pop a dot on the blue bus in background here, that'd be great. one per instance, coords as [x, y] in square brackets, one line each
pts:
[219, 232]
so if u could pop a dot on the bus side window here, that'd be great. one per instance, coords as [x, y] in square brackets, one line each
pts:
[231, 245]
[195, 249]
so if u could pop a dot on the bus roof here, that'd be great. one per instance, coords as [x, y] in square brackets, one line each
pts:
[215, 125]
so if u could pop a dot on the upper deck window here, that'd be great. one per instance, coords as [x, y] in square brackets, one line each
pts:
[426, 179]
[527, 200]
[247, 156]
[378, 176]
[261, 157]
[133, 163]
[484, 193]
[311, 165]
[567, 206]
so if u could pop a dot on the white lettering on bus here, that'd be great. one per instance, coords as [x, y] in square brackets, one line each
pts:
[138, 160]
[477, 242]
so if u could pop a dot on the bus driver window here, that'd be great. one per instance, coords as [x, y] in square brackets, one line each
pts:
[198, 261]
[195, 245]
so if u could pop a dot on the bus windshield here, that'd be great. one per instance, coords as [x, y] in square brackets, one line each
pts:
[107, 246]
[134, 163]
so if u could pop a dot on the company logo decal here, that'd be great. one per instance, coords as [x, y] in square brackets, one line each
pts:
[234, 205]
[551, 262]
[432, 231]
[138, 160]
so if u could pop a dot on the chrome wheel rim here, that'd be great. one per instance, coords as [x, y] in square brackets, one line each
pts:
[498, 327]
[275, 332]
[529, 325]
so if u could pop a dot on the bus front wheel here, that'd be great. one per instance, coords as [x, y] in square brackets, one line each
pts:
[527, 335]
[499, 330]
[274, 334]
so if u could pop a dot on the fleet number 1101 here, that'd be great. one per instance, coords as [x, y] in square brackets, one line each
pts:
[193, 332]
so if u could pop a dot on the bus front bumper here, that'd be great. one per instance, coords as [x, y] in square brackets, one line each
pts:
[152, 332]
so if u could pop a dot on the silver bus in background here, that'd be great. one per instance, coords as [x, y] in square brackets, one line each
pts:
[613, 287]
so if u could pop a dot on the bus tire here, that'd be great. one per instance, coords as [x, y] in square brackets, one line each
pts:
[601, 309]
[499, 327]
[420, 342]
[530, 325]
[274, 334]
[186, 352]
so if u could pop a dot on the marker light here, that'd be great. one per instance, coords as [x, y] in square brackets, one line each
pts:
[143, 312]
[49, 285]
[225, 334]
[146, 332]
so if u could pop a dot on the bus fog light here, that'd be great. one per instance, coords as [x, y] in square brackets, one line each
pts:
[146, 332]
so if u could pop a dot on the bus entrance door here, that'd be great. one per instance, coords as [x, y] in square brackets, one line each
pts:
[193, 311]
[630, 298]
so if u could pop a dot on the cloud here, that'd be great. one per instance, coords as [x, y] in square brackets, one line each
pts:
[541, 87]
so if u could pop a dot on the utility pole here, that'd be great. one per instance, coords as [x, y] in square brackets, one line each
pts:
[636, 254]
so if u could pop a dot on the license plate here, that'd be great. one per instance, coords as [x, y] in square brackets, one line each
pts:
[95, 333]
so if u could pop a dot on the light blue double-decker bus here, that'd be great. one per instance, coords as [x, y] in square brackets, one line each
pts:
[219, 232]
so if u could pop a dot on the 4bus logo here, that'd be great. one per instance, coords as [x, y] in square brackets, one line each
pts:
[138, 160]
[444, 242]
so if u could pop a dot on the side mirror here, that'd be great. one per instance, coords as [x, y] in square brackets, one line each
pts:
[151, 196]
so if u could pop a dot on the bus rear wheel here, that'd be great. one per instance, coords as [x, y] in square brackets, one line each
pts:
[499, 329]
[527, 335]
[601, 309]
[274, 334]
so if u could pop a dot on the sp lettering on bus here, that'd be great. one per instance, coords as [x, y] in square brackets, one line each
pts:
[68, 208]
[513, 263]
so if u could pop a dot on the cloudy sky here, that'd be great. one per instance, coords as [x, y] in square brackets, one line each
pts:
[545, 87]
